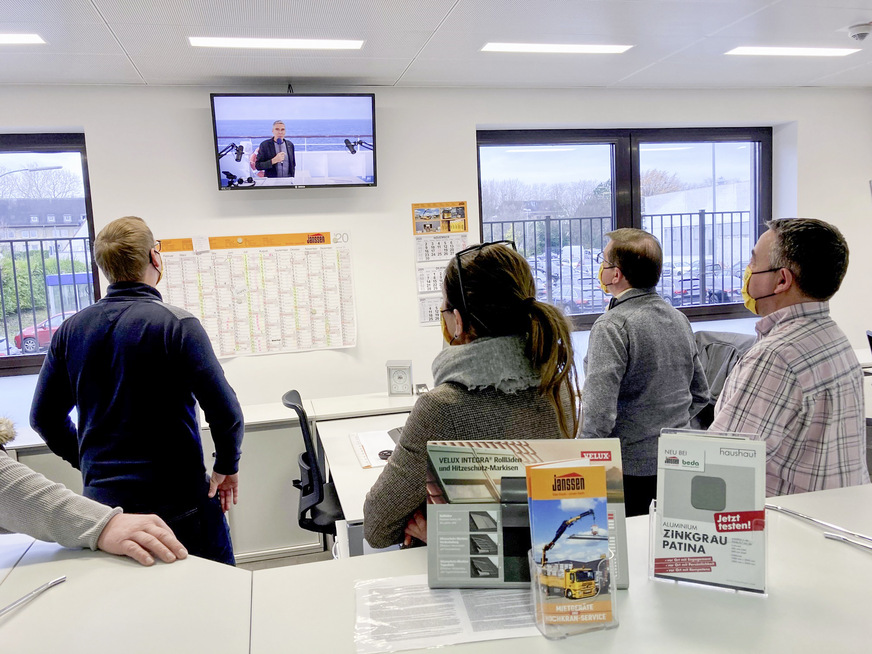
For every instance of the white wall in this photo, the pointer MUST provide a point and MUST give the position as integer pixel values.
(150, 154)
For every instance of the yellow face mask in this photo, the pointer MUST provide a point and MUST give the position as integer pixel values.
(599, 276)
(751, 302)
(449, 338)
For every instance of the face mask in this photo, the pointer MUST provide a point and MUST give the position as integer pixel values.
(751, 302)
(159, 271)
(449, 338)
(603, 287)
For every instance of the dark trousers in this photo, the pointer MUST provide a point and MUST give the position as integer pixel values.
(204, 531)
(638, 493)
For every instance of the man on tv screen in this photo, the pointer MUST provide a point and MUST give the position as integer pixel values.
(275, 156)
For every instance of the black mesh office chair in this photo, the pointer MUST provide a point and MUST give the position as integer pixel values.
(319, 505)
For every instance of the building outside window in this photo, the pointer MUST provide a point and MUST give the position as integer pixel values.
(704, 193)
(43, 278)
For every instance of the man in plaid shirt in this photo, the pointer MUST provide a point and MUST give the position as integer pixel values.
(800, 387)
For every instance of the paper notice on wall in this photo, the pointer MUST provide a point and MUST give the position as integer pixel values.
(265, 294)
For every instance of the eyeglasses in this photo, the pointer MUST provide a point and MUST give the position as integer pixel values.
(600, 258)
(156, 247)
(474, 248)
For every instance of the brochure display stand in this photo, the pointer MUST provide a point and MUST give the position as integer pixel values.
(570, 563)
(708, 523)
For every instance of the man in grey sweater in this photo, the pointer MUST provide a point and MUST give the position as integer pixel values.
(33, 505)
(642, 371)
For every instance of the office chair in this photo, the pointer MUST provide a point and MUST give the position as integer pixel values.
(319, 507)
(719, 352)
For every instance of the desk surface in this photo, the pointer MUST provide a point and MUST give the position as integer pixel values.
(351, 480)
(818, 597)
(357, 406)
(110, 604)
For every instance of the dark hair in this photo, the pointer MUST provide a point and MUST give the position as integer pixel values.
(814, 251)
(501, 301)
(637, 253)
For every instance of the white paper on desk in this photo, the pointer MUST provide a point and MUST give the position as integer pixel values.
(368, 444)
(401, 613)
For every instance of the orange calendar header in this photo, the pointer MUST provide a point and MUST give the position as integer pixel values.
(255, 241)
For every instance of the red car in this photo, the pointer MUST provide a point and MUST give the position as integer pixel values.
(28, 342)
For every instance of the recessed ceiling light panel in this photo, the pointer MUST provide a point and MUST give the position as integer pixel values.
(20, 39)
(277, 44)
(555, 48)
(791, 52)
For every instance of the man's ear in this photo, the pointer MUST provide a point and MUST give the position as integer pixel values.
(786, 281)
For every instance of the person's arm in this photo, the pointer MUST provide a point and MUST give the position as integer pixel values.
(220, 406)
(52, 403)
(292, 159)
(760, 397)
(265, 161)
(401, 489)
(31, 504)
(605, 367)
(699, 388)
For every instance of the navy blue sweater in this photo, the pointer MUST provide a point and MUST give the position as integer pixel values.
(135, 368)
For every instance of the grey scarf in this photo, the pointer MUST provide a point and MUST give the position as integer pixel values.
(487, 362)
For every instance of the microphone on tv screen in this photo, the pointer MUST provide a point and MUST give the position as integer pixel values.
(240, 150)
(350, 146)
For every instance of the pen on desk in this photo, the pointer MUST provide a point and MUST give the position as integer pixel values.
(32, 594)
(855, 543)
(821, 523)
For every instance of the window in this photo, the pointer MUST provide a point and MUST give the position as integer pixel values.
(43, 279)
(704, 193)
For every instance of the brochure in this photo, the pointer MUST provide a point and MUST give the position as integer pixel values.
(570, 560)
(468, 480)
(709, 526)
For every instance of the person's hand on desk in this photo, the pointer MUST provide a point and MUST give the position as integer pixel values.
(227, 486)
(416, 527)
(140, 537)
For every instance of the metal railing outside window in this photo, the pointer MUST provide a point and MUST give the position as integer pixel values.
(43, 281)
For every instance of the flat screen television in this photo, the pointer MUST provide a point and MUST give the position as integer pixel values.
(294, 140)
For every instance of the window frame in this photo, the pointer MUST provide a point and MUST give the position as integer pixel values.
(39, 143)
(626, 173)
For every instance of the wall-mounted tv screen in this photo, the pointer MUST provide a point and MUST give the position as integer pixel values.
(294, 140)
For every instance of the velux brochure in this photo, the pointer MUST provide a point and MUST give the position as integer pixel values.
(477, 516)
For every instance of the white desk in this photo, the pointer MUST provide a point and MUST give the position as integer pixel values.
(359, 406)
(12, 548)
(818, 597)
(352, 482)
(110, 604)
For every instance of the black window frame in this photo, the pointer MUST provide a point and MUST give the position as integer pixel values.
(38, 143)
(626, 173)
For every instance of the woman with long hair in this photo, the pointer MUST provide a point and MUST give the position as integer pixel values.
(508, 374)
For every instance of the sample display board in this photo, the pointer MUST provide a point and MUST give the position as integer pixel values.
(264, 294)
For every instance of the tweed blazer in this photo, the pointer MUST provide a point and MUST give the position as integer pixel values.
(448, 412)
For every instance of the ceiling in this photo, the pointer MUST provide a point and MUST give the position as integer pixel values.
(677, 44)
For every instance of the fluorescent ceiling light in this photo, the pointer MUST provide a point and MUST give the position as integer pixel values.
(278, 44)
(20, 39)
(792, 52)
(555, 48)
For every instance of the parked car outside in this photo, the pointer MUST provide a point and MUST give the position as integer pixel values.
(30, 340)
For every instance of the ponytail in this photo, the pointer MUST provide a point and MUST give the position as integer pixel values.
(549, 348)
